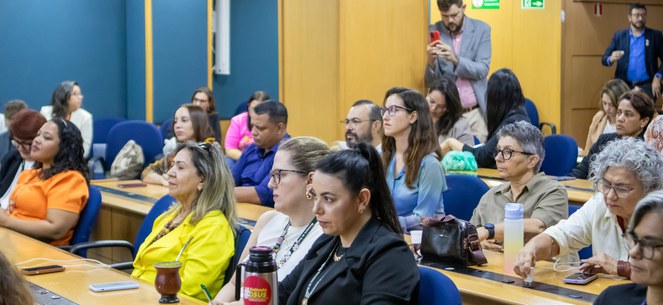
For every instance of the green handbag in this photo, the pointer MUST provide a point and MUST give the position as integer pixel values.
(459, 161)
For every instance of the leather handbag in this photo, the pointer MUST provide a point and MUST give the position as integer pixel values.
(448, 239)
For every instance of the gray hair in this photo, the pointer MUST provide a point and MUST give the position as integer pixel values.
(652, 203)
(633, 154)
(528, 137)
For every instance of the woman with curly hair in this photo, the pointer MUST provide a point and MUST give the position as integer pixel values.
(48, 198)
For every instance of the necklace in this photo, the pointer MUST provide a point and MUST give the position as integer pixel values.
(313, 283)
(294, 246)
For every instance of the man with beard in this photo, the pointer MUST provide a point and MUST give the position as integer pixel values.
(363, 124)
(638, 51)
(462, 53)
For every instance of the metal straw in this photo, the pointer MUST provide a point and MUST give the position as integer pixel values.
(181, 251)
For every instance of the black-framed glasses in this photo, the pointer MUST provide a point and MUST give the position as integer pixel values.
(199, 100)
(277, 173)
(27, 145)
(646, 247)
(392, 110)
(637, 15)
(354, 122)
(621, 191)
(507, 153)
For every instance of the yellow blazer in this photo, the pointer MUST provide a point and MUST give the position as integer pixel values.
(596, 128)
(203, 262)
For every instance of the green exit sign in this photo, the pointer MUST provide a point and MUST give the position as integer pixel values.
(485, 4)
(533, 4)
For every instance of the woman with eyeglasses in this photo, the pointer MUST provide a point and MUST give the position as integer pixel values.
(447, 112)
(505, 100)
(203, 97)
(624, 172)
(292, 227)
(189, 125)
(645, 240)
(48, 199)
(238, 136)
(519, 155)
(66, 103)
(411, 156)
(202, 218)
(23, 128)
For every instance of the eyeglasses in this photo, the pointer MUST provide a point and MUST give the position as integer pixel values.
(276, 174)
(646, 248)
(639, 15)
(392, 110)
(507, 153)
(25, 145)
(354, 122)
(207, 147)
(197, 100)
(621, 191)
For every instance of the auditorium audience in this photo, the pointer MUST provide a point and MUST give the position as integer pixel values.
(203, 217)
(238, 136)
(203, 97)
(519, 155)
(654, 134)
(66, 103)
(505, 102)
(411, 157)
(645, 242)
(13, 287)
(363, 124)
(624, 172)
(634, 113)
(48, 198)
(269, 121)
(23, 127)
(605, 120)
(291, 228)
(11, 108)
(447, 112)
(190, 124)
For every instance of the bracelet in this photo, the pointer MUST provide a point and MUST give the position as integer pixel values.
(624, 269)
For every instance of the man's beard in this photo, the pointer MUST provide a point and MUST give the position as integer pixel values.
(459, 26)
(368, 139)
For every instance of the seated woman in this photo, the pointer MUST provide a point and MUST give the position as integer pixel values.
(362, 258)
(203, 97)
(189, 125)
(447, 112)
(411, 156)
(292, 228)
(624, 172)
(519, 155)
(66, 104)
(14, 289)
(48, 198)
(605, 119)
(634, 113)
(238, 136)
(23, 128)
(203, 216)
(645, 240)
(505, 100)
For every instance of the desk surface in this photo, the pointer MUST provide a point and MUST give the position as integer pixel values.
(73, 283)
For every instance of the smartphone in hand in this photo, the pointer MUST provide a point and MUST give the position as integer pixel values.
(42, 270)
(580, 278)
(434, 36)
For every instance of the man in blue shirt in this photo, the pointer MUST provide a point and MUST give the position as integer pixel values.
(638, 51)
(251, 172)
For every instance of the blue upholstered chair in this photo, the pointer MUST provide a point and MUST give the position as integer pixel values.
(242, 235)
(87, 219)
(166, 128)
(462, 195)
(435, 288)
(561, 155)
(533, 114)
(586, 252)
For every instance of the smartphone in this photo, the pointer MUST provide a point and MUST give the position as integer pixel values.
(434, 36)
(113, 286)
(42, 270)
(127, 185)
(580, 278)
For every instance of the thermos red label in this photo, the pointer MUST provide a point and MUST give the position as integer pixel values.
(256, 291)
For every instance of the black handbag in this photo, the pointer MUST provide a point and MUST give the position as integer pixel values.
(448, 239)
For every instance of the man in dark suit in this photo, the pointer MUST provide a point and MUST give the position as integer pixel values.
(638, 51)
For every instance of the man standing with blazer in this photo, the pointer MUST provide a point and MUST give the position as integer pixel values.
(638, 51)
(462, 53)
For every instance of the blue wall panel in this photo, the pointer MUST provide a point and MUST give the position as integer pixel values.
(135, 24)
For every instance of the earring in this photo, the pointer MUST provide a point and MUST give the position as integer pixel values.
(309, 196)
(360, 211)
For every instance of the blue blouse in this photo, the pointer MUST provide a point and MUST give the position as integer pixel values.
(425, 199)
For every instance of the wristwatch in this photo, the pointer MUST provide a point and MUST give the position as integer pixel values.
(491, 230)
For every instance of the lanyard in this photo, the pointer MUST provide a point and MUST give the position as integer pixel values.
(294, 246)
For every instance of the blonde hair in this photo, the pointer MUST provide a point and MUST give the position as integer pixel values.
(13, 288)
(306, 151)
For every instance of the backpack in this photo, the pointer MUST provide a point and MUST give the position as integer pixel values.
(129, 162)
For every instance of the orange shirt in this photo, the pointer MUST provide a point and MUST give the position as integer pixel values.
(33, 197)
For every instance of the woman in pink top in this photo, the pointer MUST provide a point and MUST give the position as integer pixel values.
(238, 136)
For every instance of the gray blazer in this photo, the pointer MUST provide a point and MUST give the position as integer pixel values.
(473, 60)
(461, 132)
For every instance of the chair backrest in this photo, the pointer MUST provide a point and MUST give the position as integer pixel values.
(462, 195)
(533, 114)
(166, 128)
(561, 155)
(157, 209)
(101, 127)
(88, 218)
(435, 288)
(145, 134)
(585, 252)
(242, 235)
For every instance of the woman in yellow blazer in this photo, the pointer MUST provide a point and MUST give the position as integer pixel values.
(205, 213)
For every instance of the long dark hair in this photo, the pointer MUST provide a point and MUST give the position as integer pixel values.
(210, 97)
(60, 98)
(454, 111)
(70, 152)
(199, 122)
(358, 168)
(422, 139)
(503, 95)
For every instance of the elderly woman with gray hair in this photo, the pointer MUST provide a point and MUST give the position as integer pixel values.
(624, 173)
(518, 156)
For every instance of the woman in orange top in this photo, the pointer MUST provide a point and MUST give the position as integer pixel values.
(49, 197)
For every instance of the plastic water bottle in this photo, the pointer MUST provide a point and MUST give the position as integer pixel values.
(514, 232)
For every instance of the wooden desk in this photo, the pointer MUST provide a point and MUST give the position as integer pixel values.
(73, 283)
